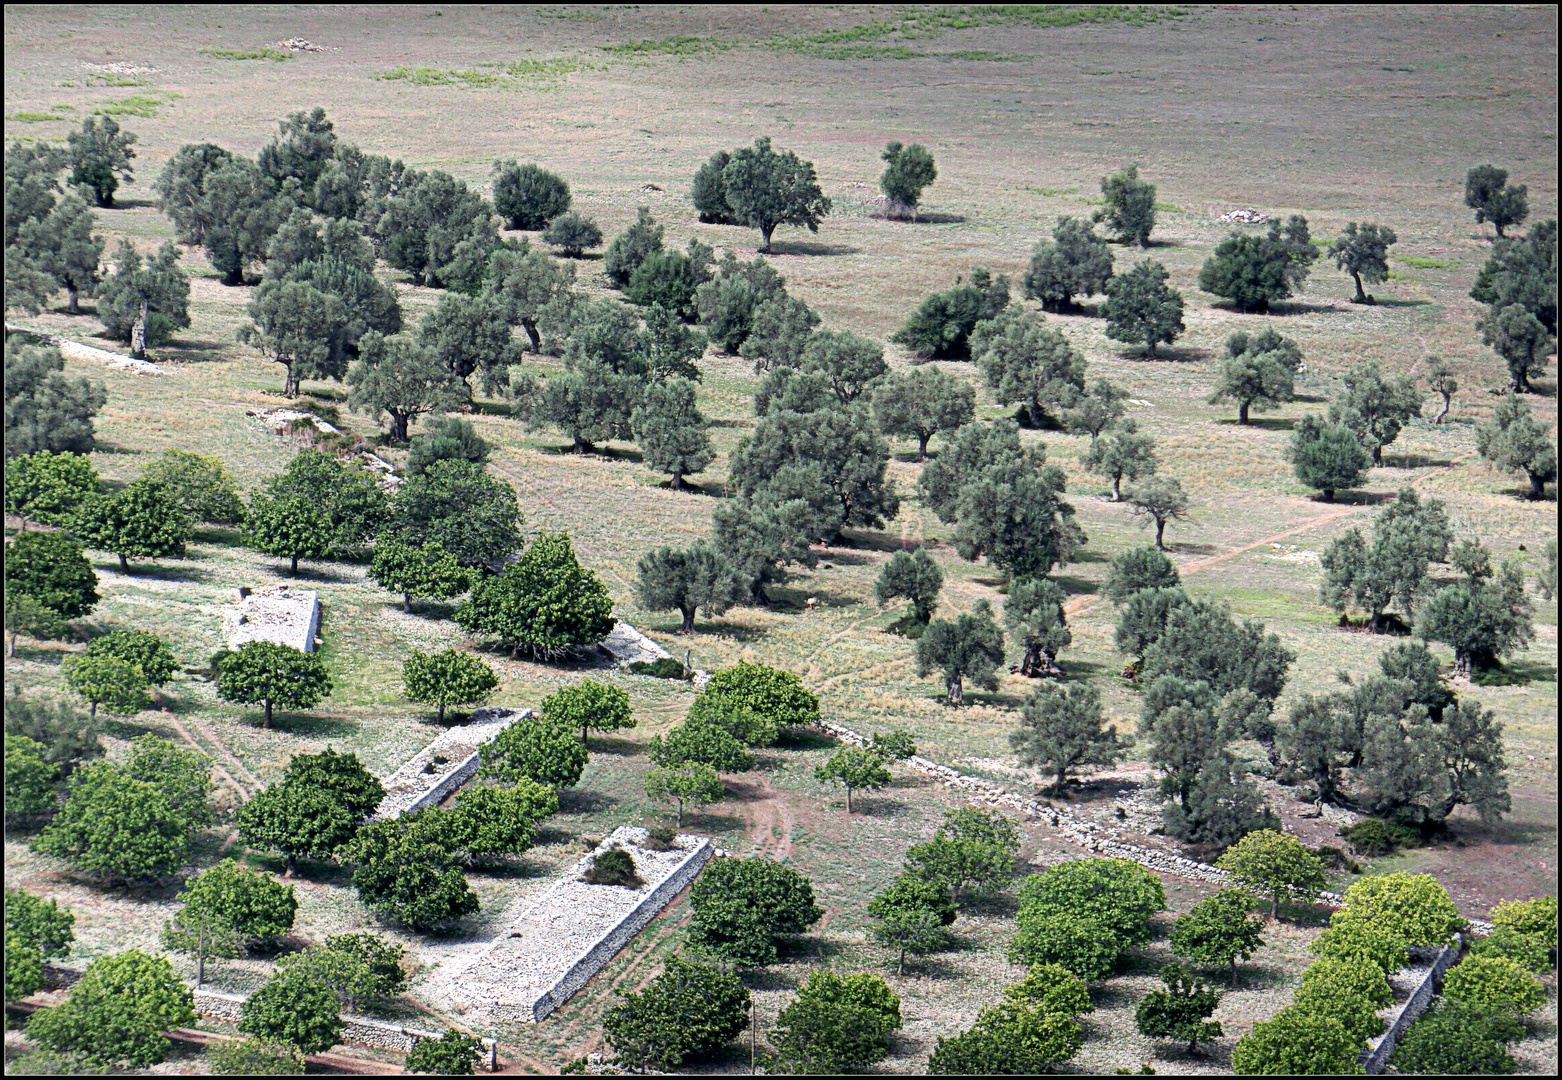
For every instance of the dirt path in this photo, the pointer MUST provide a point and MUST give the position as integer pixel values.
(766, 812)
(245, 794)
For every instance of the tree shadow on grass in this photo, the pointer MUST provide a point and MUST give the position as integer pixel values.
(1172, 354)
(575, 801)
(1273, 423)
(1001, 905)
(306, 574)
(801, 739)
(510, 870)
(608, 744)
(100, 446)
(1192, 549)
(298, 723)
(1074, 586)
(768, 979)
(1391, 303)
(810, 247)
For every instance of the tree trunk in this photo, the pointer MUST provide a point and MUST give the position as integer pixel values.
(12, 651)
(441, 712)
(290, 863)
(138, 334)
(200, 954)
(71, 296)
(1143, 242)
(1234, 973)
(530, 326)
(848, 800)
(688, 621)
(901, 966)
(766, 230)
(1447, 404)
(1160, 534)
(398, 432)
(1377, 456)
(1242, 412)
(1328, 494)
(680, 813)
(1361, 294)
(956, 688)
(92, 708)
(295, 565)
(124, 565)
(1117, 488)
(1499, 230)
(1274, 907)
(1537, 486)
(1373, 623)
(1029, 660)
(922, 445)
(267, 722)
(1149, 345)
(406, 603)
(677, 483)
(289, 384)
(582, 446)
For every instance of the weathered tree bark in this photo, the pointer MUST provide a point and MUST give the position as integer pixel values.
(688, 620)
(1537, 486)
(71, 296)
(1361, 296)
(1160, 533)
(295, 565)
(1448, 402)
(922, 445)
(1242, 412)
(138, 334)
(956, 687)
(677, 483)
(124, 565)
(530, 326)
(267, 722)
(1117, 488)
(406, 603)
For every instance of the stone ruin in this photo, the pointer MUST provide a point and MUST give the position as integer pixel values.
(1242, 217)
(275, 613)
(433, 774)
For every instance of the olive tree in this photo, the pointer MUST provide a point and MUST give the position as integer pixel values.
(1362, 252)
(969, 647)
(908, 170)
(1060, 730)
(1488, 193)
(1141, 308)
(1130, 206)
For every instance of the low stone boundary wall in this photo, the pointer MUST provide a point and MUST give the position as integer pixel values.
(1374, 1059)
(274, 613)
(424, 780)
(1088, 834)
(570, 932)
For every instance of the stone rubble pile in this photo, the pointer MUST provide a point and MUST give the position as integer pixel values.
(433, 773)
(298, 45)
(1242, 217)
(75, 350)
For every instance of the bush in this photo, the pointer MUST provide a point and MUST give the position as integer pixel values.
(294, 1008)
(1086, 947)
(1494, 982)
(664, 667)
(744, 908)
(1008, 1039)
(1356, 940)
(117, 1013)
(1454, 1039)
(615, 866)
(687, 1010)
(255, 1057)
(48, 487)
(1297, 1042)
(1415, 907)
(529, 196)
(572, 234)
(1119, 894)
(1375, 838)
(452, 1054)
(836, 1024)
(777, 697)
(1536, 916)
(545, 602)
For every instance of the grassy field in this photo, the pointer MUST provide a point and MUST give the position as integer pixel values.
(1339, 114)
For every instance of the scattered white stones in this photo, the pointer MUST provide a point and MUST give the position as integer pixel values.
(119, 67)
(1242, 217)
(281, 420)
(274, 613)
(75, 350)
(570, 932)
(1290, 553)
(300, 45)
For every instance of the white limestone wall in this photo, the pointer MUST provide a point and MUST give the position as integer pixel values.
(424, 780)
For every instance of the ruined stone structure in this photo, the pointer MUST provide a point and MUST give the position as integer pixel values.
(274, 613)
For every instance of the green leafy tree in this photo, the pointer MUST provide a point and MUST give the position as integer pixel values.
(150, 652)
(455, 503)
(1362, 252)
(1122, 896)
(538, 749)
(293, 323)
(853, 767)
(778, 696)
(1481, 618)
(972, 850)
(471, 335)
(1415, 907)
(691, 783)
(670, 280)
(1298, 1042)
(670, 430)
(452, 1054)
(727, 303)
(1255, 271)
(1130, 206)
(685, 581)
(290, 527)
(426, 223)
(1075, 261)
(118, 685)
(911, 915)
(305, 142)
(51, 568)
(1407, 535)
(572, 234)
(1095, 410)
(48, 487)
(835, 1024)
(1350, 991)
(915, 577)
(709, 191)
(23, 968)
(452, 438)
(1008, 1039)
(1495, 983)
(1050, 988)
(429, 570)
(1357, 941)
(1453, 1039)
(351, 499)
(100, 155)
(62, 247)
(1084, 946)
(255, 1057)
(239, 210)
(45, 409)
(201, 486)
(296, 1009)
(495, 822)
(780, 330)
(1179, 1012)
(1026, 361)
(204, 936)
(360, 969)
(1535, 917)
(908, 170)
(1158, 499)
(1138, 568)
(1327, 456)
(1519, 273)
(1258, 372)
(300, 820)
(688, 1010)
(25, 615)
(1060, 729)
(1513, 441)
(590, 706)
(117, 1012)
(1141, 308)
(1122, 451)
(1375, 408)
(268, 674)
(143, 520)
(922, 402)
(942, 324)
(631, 247)
(405, 873)
(1488, 193)
(545, 602)
(764, 189)
(1219, 931)
(744, 908)
(447, 678)
(1273, 864)
(1440, 377)
(29, 782)
(969, 647)
(695, 742)
(528, 196)
(399, 378)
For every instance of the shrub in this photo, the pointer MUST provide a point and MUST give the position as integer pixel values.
(1219, 930)
(48, 487)
(529, 196)
(1415, 907)
(744, 908)
(1359, 941)
(294, 1008)
(537, 749)
(1374, 837)
(1051, 988)
(777, 697)
(1454, 1039)
(836, 1024)
(1180, 1012)
(664, 667)
(1119, 894)
(1008, 1038)
(1494, 982)
(615, 866)
(1297, 1042)
(255, 1057)
(572, 234)
(687, 1010)
(1274, 864)
(117, 1013)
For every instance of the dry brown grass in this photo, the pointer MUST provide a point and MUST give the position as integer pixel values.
(1342, 114)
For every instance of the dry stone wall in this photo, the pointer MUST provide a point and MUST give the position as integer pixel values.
(1421, 978)
(274, 613)
(428, 778)
(570, 932)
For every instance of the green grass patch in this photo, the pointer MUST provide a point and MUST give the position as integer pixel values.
(683, 45)
(1421, 262)
(981, 54)
(1168, 208)
(278, 55)
(115, 80)
(143, 105)
(487, 76)
(1054, 192)
(26, 117)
